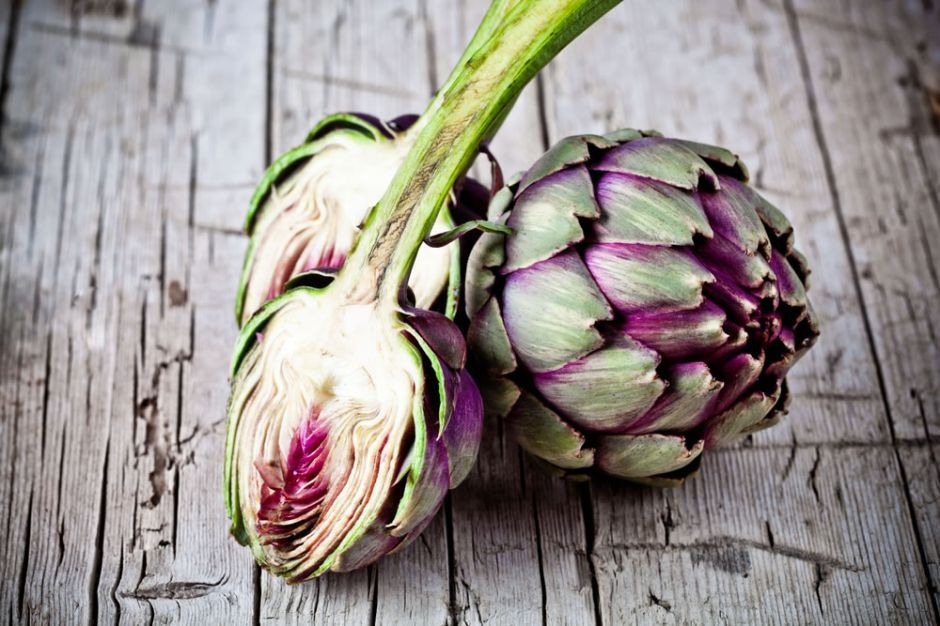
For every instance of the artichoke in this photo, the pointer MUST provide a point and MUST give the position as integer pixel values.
(307, 210)
(647, 306)
(348, 424)
(351, 412)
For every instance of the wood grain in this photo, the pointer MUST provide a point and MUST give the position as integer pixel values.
(865, 70)
(132, 135)
(125, 154)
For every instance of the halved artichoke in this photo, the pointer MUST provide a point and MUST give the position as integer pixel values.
(347, 426)
(307, 210)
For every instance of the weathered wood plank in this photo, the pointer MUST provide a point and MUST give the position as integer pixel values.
(210, 64)
(19, 391)
(118, 140)
(872, 74)
(67, 335)
(765, 535)
(921, 465)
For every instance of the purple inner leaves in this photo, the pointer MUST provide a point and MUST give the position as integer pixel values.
(293, 491)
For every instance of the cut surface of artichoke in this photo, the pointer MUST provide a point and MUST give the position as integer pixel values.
(311, 217)
(347, 380)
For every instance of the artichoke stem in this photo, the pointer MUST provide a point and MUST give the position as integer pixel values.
(502, 58)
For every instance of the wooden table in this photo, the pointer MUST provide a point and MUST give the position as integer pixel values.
(133, 134)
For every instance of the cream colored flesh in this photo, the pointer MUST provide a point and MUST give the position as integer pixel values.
(316, 213)
(358, 370)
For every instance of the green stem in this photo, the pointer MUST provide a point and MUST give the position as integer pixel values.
(473, 103)
(493, 17)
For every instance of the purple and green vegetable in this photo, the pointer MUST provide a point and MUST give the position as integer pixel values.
(647, 305)
(630, 302)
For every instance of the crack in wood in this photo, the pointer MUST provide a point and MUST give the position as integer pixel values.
(61, 466)
(269, 84)
(153, 444)
(587, 513)
(24, 566)
(540, 558)
(724, 542)
(95, 578)
(790, 460)
(452, 608)
(161, 274)
(176, 590)
(668, 523)
(812, 476)
(424, 543)
(256, 594)
(176, 507)
(114, 588)
(143, 330)
(45, 392)
(821, 574)
(373, 573)
(9, 46)
(657, 601)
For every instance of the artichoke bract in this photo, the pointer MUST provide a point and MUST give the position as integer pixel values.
(347, 427)
(647, 306)
(307, 211)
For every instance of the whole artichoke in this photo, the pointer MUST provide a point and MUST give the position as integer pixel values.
(307, 210)
(648, 305)
(347, 424)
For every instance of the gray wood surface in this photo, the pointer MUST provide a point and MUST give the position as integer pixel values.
(131, 136)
